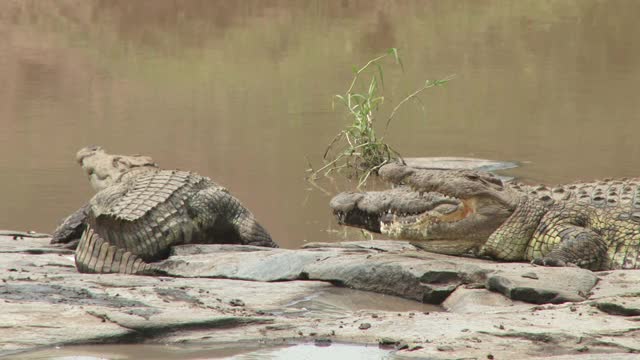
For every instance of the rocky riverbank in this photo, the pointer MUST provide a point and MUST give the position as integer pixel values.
(233, 294)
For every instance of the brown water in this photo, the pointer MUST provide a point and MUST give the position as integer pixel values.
(226, 351)
(241, 91)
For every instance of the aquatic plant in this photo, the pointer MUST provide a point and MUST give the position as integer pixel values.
(357, 149)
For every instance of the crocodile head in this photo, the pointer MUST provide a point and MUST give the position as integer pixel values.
(444, 211)
(105, 169)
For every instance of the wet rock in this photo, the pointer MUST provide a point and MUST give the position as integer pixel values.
(358, 265)
(30, 325)
(445, 348)
(459, 163)
(423, 279)
(619, 283)
(453, 163)
(61, 294)
(199, 249)
(323, 342)
(548, 286)
(45, 302)
(620, 306)
(236, 302)
(15, 235)
(388, 342)
(175, 295)
(273, 265)
(377, 245)
(588, 357)
(479, 301)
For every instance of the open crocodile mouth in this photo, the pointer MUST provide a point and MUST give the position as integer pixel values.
(418, 211)
(427, 225)
(447, 228)
(447, 210)
(359, 218)
(403, 218)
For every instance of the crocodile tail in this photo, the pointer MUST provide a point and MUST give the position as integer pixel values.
(71, 227)
(252, 233)
(95, 255)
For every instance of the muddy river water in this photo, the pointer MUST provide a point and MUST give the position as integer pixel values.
(241, 91)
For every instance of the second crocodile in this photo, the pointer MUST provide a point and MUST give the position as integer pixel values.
(140, 211)
(593, 225)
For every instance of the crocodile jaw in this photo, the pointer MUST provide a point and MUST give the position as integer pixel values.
(426, 230)
(461, 231)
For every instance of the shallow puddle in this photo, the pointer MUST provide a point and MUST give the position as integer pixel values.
(338, 301)
(224, 351)
(312, 352)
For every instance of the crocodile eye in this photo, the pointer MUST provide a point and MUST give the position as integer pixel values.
(445, 208)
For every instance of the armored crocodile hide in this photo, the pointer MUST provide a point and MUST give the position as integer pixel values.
(594, 225)
(139, 219)
(610, 208)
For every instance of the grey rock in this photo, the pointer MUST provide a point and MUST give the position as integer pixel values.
(450, 163)
(548, 286)
(198, 249)
(620, 306)
(617, 284)
(45, 302)
(379, 245)
(277, 265)
(413, 278)
(480, 301)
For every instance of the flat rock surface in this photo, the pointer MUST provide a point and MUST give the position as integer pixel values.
(451, 163)
(458, 163)
(543, 285)
(266, 297)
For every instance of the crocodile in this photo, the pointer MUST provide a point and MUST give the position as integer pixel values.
(593, 225)
(140, 211)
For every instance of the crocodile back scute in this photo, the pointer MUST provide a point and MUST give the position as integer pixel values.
(147, 213)
(609, 208)
(148, 191)
(618, 193)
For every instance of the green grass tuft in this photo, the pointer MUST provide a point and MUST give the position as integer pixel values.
(357, 150)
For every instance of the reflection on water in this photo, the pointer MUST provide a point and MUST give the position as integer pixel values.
(241, 91)
(339, 301)
(225, 351)
(137, 351)
(313, 352)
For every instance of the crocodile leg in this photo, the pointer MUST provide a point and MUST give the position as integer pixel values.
(71, 228)
(227, 220)
(568, 245)
(511, 239)
(95, 255)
